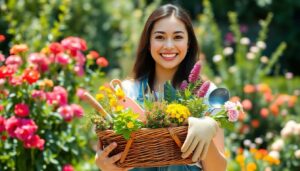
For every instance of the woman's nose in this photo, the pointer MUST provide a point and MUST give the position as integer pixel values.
(169, 43)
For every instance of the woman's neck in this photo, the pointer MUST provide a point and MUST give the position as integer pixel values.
(161, 77)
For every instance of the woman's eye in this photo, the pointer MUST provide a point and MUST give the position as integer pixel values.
(178, 37)
(159, 37)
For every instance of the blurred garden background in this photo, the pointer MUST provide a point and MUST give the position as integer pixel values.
(51, 51)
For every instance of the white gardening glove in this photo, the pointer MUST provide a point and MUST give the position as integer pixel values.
(200, 133)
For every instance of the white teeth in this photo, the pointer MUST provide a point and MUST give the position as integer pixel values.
(169, 55)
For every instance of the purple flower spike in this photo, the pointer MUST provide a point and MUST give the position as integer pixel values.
(195, 72)
(183, 85)
(203, 89)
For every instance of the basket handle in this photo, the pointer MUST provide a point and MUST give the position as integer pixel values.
(175, 137)
(127, 147)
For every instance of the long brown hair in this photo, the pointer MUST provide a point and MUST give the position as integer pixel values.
(145, 64)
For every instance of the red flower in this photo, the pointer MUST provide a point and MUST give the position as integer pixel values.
(34, 142)
(26, 129)
(21, 110)
(68, 167)
(56, 48)
(30, 75)
(2, 124)
(11, 125)
(66, 112)
(2, 37)
(73, 44)
(6, 71)
(18, 49)
(102, 62)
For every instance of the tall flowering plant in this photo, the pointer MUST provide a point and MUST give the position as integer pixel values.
(37, 105)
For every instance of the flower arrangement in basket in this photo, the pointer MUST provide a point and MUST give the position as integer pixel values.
(153, 135)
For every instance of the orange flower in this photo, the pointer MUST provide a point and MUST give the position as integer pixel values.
(292, 101)
(18, 49)
(102, 62)
(255, 123)
(249, 89)
(31, 75)
(274, 109)
(251, 166)
(235, 99)
(93, 55)
(247, 104)
(264, 88)
(264, 112)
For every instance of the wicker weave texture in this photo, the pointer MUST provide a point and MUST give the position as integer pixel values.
(149, 148)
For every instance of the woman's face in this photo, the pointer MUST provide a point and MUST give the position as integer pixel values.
(168, 43)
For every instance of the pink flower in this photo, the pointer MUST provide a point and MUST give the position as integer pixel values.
(38, 94)
(34, 142)
(58, 96)
(66, 112)
(73, 44)
(80, 58)
(11, 125)
(62, 59)
(21, 110)
(15, 80)
(203, 89)
(2, 58)
(77, 110)
(26, 129)
(40, 61)
(14, 60)
(232, 115)
(2, 124)
(247, 104)
(230, 105)
(79, 70)
(68, 167)
(183, 85)
(80, 92)
(195, 72)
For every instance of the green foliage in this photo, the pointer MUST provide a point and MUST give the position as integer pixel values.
(126, 123)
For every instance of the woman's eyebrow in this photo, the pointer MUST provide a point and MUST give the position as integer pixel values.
(162, 32)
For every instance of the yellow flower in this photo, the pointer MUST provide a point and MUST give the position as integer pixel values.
(251, 166)
(113, 102)
(130, 125)
(240, 159)
(120, 93)
(119, 108)
(177, 111)
(271, 160)
(102, 88)
(99, 96)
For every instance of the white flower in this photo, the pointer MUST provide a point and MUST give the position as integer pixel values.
(297, 154)
(247, 142)
(254, 49)
(217, 58)
(288, 75)
(277, 145)
(269, 135)
(252, 145)
(261, 44)
(297, 129)
(258, 140)
(274, 154)
(250, 56)
(264, 59)
(232, 69)
(228, 51)
(245, 41)
(286, 132)
(297, 92)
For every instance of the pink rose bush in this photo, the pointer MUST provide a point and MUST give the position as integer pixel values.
(38, 105)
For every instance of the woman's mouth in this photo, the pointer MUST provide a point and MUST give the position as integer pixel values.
(168, 56)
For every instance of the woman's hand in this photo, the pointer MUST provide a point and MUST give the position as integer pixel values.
(200, 133)
(108, 164)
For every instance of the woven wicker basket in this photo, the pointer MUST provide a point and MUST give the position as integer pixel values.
(148, 147)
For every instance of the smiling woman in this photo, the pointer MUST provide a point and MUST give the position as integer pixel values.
(167, 51)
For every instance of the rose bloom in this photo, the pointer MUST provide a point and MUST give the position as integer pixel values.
(77, 110)
(102, 62)
(18, 49)
(2, 124)
(11, 125)
(247, 104)
(56, 48)
(66, 112)
(21, 110)
(34, 142)
(68, 167)
(232, 115)
(26, 129)
(249, 89)
(30, 75)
